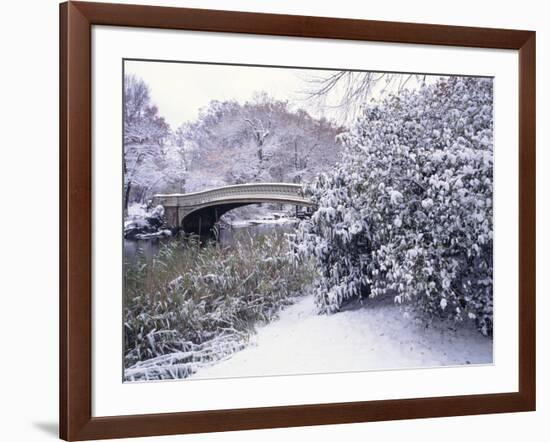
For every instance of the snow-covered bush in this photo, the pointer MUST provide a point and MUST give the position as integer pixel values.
(409, 210)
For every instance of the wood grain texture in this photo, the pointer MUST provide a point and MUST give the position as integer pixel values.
(76, 20)
(299, 26)
(527, 220)
(76, 211)
(63, 201)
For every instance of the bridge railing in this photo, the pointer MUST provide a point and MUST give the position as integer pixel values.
(238, 191)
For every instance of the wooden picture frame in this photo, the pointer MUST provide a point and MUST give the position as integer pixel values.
(76, 21)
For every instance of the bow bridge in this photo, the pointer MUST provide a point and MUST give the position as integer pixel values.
(198, 212)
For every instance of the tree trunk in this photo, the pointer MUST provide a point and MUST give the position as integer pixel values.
(127, 196)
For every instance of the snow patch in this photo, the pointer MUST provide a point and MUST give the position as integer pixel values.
(377, 336)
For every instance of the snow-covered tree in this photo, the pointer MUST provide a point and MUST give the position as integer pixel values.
(145, 135)
(344, 92)
(261, 140)
(409, 210)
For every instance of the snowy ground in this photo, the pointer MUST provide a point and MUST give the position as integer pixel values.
(372, 337)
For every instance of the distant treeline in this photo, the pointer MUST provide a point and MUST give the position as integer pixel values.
(262, 140)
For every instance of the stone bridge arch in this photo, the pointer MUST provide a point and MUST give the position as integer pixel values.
(198, 212)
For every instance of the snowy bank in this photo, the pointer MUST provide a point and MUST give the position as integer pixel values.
(143, 224)
(376, 336)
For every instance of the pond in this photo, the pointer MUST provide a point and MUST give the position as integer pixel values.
(227, 235)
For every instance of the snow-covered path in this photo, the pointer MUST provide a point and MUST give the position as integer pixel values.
(374, 336)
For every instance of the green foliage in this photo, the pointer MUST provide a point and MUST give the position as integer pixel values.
(195, 303)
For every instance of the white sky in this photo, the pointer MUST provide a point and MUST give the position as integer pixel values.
(180, 89)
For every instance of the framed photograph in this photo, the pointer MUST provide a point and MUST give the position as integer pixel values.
(274, 220)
